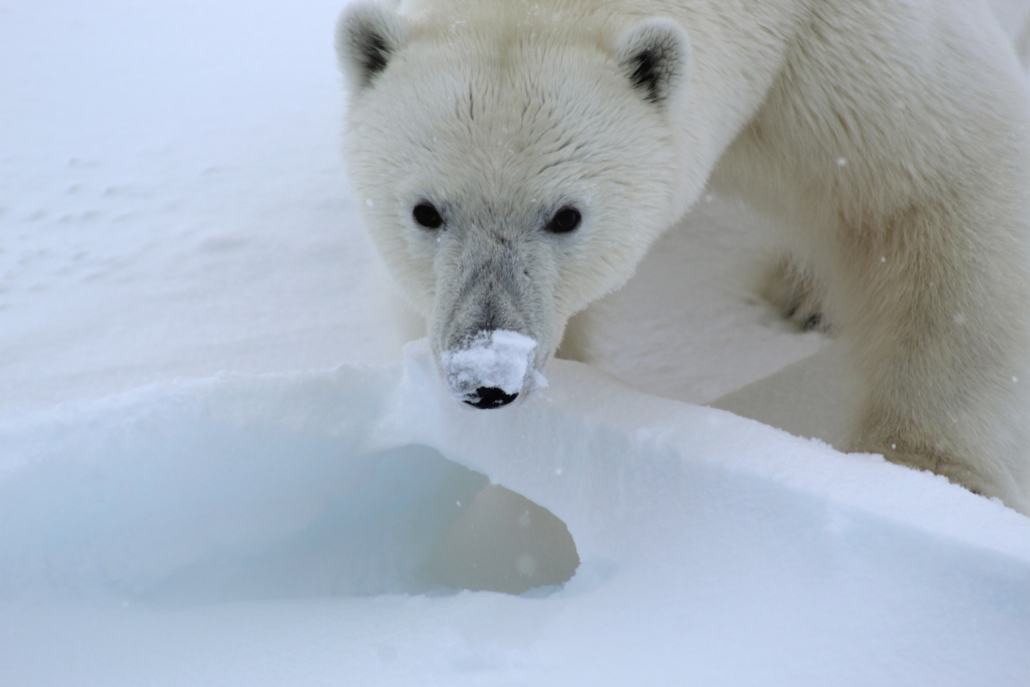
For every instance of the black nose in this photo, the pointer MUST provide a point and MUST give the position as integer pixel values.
(490, 397)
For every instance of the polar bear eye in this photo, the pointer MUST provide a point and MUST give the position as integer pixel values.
(564, 221)
(427, 215)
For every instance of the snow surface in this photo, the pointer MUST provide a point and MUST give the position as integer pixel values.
(497, 359)
(176, 236)
(256, 530)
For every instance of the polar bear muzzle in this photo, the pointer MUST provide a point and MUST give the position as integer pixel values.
(491, 370)
(486, 348)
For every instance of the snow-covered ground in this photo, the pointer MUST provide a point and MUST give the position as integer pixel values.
(244, 484)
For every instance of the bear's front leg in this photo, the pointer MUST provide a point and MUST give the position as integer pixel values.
(934, 312)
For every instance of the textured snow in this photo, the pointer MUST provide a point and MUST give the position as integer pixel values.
(216, 468)
(500, 359)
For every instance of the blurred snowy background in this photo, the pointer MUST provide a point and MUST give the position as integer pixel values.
(215, 501)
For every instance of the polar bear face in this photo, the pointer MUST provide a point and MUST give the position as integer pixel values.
(510, 171)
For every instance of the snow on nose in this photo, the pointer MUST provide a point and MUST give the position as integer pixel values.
(492, 370)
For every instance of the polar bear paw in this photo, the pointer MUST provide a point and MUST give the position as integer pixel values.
(956, 471)
(793, 291)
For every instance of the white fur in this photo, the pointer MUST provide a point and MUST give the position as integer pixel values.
(890, 137)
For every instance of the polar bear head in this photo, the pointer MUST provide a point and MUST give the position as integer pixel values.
(511, 168)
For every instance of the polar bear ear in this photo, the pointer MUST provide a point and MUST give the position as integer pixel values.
(367, 37)
(655, 55)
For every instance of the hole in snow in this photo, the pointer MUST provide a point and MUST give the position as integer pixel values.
(506, 543)
(193, 511)
(405, 521)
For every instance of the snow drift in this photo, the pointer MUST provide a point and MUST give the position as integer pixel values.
(710, 546)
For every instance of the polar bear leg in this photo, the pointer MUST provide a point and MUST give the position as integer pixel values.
(933, 310)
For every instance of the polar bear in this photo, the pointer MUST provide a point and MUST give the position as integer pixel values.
(514, 160)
